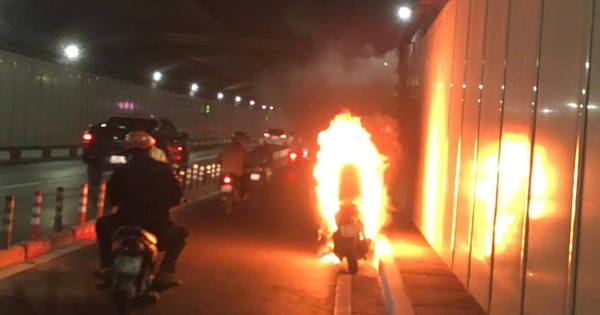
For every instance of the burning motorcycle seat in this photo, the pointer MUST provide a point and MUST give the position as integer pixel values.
(134, 231)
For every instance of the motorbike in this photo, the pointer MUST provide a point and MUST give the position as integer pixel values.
(135, 269)
(349, 240)
(258, 177)
(298, 155)
(231, 194)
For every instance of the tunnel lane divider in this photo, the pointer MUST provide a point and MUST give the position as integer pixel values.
(395, 298)
(82, 177)
(343, 295)
(49, 153)
(28, 254)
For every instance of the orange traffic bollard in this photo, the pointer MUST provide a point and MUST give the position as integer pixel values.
(7, 222)
(36, 215)
(83, 204)
(58, 214)
(101, 199)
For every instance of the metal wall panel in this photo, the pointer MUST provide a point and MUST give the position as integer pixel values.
(505, 298)
(42, 103)
(435, 126)
(587, 286)
(446, 36)
(515, 149)
(563, 55)
(479, 270)
(462, 215)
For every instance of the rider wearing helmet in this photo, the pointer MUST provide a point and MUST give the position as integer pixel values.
(234, 158)
(157, 153)
(144, 190)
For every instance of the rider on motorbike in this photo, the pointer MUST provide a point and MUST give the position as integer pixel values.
(234, 160)
(144, 190)
(158, 154)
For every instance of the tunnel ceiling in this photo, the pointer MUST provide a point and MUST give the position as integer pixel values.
(220, 44)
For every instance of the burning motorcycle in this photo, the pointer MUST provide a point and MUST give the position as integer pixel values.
(349, 241)
(135, 270)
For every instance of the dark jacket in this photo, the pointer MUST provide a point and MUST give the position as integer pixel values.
(261, 156)
(233, 159)
(144, 190)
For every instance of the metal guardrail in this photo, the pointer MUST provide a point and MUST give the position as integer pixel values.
(16, 154)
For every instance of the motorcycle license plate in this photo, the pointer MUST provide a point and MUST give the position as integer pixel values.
(226, 188)
(255, 176)
(130, 265)
(348, 230)
(118, 159)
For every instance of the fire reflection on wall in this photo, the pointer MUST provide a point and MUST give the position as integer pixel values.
(515, 161)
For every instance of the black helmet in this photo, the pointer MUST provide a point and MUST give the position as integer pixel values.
(239, 136)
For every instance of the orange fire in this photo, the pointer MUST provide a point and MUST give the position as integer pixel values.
(347, 144)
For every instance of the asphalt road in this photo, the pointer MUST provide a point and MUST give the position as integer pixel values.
(259, 260)
(22, 180)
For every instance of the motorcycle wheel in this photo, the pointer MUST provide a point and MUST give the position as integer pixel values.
(124, 303)
(352, 264)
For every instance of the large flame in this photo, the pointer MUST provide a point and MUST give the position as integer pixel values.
(346, 143)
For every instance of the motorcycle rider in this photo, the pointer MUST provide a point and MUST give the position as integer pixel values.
(157, 153)
(234, 160)
(144, 190)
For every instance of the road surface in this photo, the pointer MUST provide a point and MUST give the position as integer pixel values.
(260, 260)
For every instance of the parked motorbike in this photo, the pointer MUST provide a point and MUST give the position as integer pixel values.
(231, 194)
(349, 240)
(135, 269)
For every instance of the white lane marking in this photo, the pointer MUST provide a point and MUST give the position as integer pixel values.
(210, 157)
(343, 295)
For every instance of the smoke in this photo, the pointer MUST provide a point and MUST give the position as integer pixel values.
(385, 134)
(339, 75)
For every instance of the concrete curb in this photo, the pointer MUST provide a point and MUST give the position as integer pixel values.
(395, 299)
(12, 256)
(37, 248)
(62, 239)
(343, 295)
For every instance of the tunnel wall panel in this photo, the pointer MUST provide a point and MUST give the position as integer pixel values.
(45, 104)
(563, 56)
(514, 173)
(587, 248)
(506, 298)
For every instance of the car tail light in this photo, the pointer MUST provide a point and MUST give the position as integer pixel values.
(227, 179)
(87, 138)
(266, 134)
(293, 156)
(176, 148)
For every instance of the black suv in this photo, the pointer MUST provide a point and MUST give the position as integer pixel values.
(103, 148)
